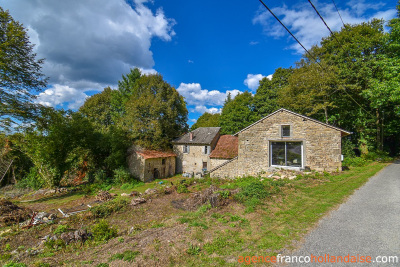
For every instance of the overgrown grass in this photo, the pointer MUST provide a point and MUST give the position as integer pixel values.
(288, 209)
(108, 208)
(127, 255)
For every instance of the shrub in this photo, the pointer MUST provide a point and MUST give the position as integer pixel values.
(122, 175)
(103, 232)
(131, 185)
(182, 188)
(253, 190)
(355, 162)
(108, 208)
(32, 180)
(14, 264)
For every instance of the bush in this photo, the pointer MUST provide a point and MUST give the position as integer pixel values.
(253, 190)
(182, 188)
(355, 162)
(108, 208)
(103, 232)
(122, 175)
(32, 180)
(381, 156)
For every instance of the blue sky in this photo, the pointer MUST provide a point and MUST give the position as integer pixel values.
(204, 49)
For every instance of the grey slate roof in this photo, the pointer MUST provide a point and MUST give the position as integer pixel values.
(201, 136)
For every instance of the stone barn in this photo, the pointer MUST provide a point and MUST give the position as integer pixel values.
(148, 165)
(285, 139)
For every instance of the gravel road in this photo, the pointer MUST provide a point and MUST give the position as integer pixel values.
(368, 224)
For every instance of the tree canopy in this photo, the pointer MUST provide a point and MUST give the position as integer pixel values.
(20, 75)
(207, 120)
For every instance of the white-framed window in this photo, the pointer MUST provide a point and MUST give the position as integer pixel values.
(287, 154)
(285, 131)
(207, 150)
(186, 149)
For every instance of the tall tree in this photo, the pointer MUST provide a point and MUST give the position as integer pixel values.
(238, 113)
(98, 109)
(20, 75)
(266, 97)
(207, 120)
(155, 113)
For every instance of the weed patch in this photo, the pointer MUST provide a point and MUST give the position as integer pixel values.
(127, 255)
(108, 208)
(103, 232)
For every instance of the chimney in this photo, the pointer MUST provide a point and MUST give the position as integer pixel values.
(190, 136)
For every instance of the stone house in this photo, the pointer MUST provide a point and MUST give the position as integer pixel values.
(225, 150)
(148, 165)
(285, 139)
(193, 150)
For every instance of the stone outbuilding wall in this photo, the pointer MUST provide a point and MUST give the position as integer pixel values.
(321, 145)
(147, 166)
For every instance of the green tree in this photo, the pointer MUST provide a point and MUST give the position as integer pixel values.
(58, 142)
(98, 109)
(309, 90)
(207, 120)
(238, 114)
(20, 75)
(155, 113)
(126, 88)
(266, 97)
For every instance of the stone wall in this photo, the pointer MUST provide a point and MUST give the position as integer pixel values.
(321, 145)
(145, 169)
(155, 167)
(217, 162)
(193, 161)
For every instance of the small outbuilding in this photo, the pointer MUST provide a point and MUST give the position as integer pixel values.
(149, 165)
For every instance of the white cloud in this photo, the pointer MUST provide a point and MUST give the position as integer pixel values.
(305, 24)
(88, 45)
(253, 81)
(203, 109)
(196, 96)
(269, 77)
(59, 94)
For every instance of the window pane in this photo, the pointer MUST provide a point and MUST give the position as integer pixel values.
(293, 154)
(285, 130)
(278, 153)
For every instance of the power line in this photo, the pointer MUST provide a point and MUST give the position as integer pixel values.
(333, 1)
(323, 21)
(272, 13)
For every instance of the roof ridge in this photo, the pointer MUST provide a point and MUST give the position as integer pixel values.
(297, 114)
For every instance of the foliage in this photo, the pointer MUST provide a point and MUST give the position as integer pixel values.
(108, 208)
(207, 120)
(122, 175)
(266, 97)
(103, 232)
(347, 148)
(182, 188)
(155, 113)
(355, 162)
(131, 185)
(20, 74)
(97, 108)
(32, 180)
(238, 113)
(59, 142)
(63, 228)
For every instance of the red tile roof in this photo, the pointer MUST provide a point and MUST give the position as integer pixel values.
(152, 154)
(227, 147)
